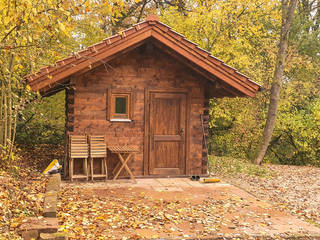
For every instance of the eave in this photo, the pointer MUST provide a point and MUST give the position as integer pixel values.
(49, 77)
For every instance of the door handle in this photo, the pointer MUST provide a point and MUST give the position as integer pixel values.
(181, 132)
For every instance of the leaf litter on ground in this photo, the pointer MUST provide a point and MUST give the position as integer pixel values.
(21, 196)
(294, 189)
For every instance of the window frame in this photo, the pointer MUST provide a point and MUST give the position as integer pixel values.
(116, 117)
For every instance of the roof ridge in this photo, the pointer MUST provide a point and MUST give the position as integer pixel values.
(152, 21)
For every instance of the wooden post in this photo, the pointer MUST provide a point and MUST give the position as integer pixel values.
(69, 112)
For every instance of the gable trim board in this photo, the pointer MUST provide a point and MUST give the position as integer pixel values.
(237, 84)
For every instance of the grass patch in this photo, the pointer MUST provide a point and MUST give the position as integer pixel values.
(225, 166)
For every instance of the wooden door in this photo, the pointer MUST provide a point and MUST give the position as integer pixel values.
(167, 127)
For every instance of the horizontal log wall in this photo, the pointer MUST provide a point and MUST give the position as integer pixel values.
(135, 71)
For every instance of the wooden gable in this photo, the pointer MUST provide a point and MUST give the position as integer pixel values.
(227, 81)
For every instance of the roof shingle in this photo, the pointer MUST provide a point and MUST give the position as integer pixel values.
(47, 77)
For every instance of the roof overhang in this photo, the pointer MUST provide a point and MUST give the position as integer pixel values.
(50, 77)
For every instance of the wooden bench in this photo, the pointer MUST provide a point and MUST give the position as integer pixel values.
(98, 149)
(125, 153)
(78, 149)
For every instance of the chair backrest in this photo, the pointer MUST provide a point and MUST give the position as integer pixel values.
(98, 146)
(78, 146)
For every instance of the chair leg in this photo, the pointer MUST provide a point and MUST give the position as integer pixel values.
(85, 168)
(71, 169)
(91, 163)
(105, 167)
(88, 168)
(102, 166)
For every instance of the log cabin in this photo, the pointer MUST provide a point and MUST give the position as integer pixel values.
(147, 87)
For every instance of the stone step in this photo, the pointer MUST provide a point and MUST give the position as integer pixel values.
(54, 182)
(32, 227)
(50, 204)
(53, 236)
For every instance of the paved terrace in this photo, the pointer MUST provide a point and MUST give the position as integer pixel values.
(173, 208)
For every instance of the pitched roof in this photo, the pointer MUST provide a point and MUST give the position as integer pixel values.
(49, 77)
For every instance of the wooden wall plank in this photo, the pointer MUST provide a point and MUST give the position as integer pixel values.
(138, 71)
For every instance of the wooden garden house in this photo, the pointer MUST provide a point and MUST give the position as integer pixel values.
(148, 88)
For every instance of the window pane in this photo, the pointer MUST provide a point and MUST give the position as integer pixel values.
(121, 105)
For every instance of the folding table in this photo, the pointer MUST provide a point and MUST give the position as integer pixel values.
(125, 153)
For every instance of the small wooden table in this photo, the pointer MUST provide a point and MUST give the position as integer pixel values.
(121, 151)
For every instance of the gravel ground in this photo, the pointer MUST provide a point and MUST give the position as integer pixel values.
(294, 189)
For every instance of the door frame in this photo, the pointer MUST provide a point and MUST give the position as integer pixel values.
(146, 153)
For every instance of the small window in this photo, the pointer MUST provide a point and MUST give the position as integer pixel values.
(120, 106)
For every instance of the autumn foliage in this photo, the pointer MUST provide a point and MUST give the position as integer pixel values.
(244, 34)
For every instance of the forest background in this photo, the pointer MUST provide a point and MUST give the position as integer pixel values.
(242, 33)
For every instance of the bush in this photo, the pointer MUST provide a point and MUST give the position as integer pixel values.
(43, 121)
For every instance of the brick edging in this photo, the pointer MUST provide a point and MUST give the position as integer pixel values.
(45, 228)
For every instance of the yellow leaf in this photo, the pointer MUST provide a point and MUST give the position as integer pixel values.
(14, 224)
(6, 20)
(34, 11)
(62, 27)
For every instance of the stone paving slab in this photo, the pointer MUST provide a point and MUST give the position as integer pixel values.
(149, 182)
(169, 189)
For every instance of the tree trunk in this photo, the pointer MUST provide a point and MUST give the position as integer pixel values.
(288, 8)
(2, 113)
(317, 18)
(10, 103)
(13, 133)
(5, 116)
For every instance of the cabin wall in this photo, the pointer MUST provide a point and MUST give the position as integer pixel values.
(69, 101)
(137, 71)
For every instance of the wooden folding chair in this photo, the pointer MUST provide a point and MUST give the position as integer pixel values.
(98, 149)
(78, 149)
